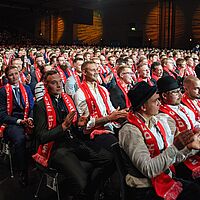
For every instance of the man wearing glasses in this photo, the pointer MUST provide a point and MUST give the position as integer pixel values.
(181, 120)
(118, 93)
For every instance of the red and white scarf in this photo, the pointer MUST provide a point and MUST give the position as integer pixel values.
(38, 74)
(148, 81)
(189, 103)
(124, 90)
(93, 107)
(77, 79)
(9, 97)
(69, 72)
(113, 69)
(173, 74)
(164, 185)
(104, 70)
(190, 71)
(182, 72)
(155, 77)
(193, 163)
(43, 154)
(62, 74)
(22, 77)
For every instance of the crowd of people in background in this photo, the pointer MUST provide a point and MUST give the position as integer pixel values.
(77, 101)
(8, 36)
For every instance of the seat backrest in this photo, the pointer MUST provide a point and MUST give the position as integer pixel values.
(116, 149)
(120, 169)
(4, 147)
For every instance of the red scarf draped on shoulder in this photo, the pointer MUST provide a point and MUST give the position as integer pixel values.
(43, 154)
(22, 77)
(113, 69)
(77, 79)
(124, 91)
(69, 72)
(164, 185)
(155, 77)
(193, 162)
(9, 97)
(189, 103)
(148, 81)
(93, 107)
(62, 74)
(190, 71)
(38, 74)
(169, 72)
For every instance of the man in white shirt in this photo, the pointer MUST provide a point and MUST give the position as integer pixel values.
(93, 101)
(74, 81)
(191, 97)
(144, 139)
(180, 119)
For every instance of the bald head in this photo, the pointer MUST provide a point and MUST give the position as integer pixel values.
(190, 80)
(192, 87)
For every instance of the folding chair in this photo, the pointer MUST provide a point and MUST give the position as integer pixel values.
(51, 180)
(6, 150)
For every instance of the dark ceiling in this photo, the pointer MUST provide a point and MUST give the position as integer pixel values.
(65, 4)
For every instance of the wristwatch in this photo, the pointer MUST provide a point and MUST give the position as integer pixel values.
(68, 131)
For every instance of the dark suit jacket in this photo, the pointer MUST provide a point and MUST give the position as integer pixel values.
(18, 112)
(117, 97)
(43, 135)
(4, 80)
(33, 81)
(178, 78)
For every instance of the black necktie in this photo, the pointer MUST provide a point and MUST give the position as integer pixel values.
(17, 94)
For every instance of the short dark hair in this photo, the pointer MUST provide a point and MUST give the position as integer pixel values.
(121, 68)
(154, 65)
(9, 68)
(86, 63)
(77, 59)
(49, 73)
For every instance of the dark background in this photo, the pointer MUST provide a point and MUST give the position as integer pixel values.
(118, 18)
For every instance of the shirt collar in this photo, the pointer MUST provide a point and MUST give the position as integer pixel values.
(152, 122)
(15, 86)
(93, 84)
(175, 107)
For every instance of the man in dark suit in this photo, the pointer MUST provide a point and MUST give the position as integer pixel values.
(118, 93)
(55, 127)
(36, 73)
(16, 115)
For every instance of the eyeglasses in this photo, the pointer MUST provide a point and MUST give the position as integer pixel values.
(174, 92)
(129, 73)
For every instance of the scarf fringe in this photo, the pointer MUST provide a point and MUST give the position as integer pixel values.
(2, 129)
(196, 173)
(174, 191)
(99, 132)
(40, 159)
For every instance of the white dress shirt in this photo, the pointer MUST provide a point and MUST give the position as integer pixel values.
(81, 104)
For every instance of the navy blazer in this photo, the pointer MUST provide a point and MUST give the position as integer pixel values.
(18, 112)
(33, 81)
